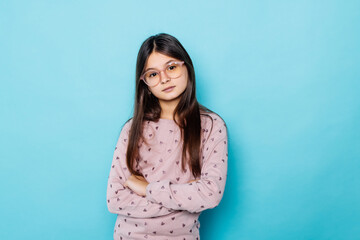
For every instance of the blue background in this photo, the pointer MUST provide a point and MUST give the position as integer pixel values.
(284, 75)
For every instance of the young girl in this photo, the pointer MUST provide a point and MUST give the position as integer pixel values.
(170, 161)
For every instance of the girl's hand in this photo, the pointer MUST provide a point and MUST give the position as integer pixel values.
(193, 180)
(138, 184)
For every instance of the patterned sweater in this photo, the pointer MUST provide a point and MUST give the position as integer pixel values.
(172, 205)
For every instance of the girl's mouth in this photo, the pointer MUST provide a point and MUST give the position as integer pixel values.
(169, 89)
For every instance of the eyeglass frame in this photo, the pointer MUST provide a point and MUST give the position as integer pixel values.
(159, 72)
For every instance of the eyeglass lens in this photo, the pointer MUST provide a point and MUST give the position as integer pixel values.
(173, 70)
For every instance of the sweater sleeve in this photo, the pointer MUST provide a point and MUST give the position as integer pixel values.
(204, 193)
(122, 200)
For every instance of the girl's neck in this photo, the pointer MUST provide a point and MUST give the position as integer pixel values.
(167, 109)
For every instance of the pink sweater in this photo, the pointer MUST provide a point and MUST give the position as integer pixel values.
(172, 206)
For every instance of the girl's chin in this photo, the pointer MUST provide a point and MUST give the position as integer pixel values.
(170, 98)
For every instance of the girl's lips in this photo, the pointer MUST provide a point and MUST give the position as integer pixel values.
(168, 89)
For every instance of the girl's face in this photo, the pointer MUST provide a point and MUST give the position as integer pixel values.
(168, 89)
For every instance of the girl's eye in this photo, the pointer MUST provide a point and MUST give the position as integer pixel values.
(153, 74)
(172, 67)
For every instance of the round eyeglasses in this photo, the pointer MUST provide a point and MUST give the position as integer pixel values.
(172, 70)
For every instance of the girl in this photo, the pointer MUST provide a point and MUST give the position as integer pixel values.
(170, 161)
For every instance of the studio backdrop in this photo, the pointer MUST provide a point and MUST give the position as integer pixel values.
(284, 75)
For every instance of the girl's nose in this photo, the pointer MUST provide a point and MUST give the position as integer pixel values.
(164, 77)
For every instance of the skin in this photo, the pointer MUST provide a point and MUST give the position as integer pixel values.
(138, 184)
(168, 101)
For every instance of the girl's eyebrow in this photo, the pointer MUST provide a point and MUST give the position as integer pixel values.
(172, 60)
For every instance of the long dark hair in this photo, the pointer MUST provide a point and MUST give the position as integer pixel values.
(147, 106)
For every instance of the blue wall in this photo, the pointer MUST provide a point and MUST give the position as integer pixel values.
(284, 75)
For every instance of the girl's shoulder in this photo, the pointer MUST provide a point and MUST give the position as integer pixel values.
(149, 127)
(211, 119)
(127, 125)
(213, 126)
